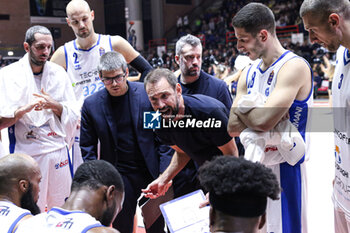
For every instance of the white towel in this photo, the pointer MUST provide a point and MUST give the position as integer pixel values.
(284, 136)
(292, 146)
(17, 86)
(255, 143)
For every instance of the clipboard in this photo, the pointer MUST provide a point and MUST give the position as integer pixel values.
(150, 210)
(183, 215)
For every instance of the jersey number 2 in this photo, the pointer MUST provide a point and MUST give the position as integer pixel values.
(75, 55)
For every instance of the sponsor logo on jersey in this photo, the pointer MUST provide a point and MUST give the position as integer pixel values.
(102, 51)
(269, 80)
(81, 82)
(267, 91)
(341, 170)
(338, 161)
(89, 74)
(346, 57)
(297, 116)
(52, 133)
(342, 136)
(77, 67)
(61, 164)
(66, 224)
(4, 210)
(337, 154)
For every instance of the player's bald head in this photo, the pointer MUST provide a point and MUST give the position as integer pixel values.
(77, 5)
(15, 167)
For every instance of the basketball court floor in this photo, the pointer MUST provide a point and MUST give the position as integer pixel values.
(320, 171)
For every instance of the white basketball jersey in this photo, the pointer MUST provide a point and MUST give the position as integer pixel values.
(10, 215)
(287, 214)
(341, 111)
(265, 81)
(59, 221)
(81, 66)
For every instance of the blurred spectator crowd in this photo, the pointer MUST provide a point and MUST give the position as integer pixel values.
(219, 57)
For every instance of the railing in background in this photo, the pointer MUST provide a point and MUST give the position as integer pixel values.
(157, 42)
(202, 38)
(287, 31)
(230, 37)
(282, 32)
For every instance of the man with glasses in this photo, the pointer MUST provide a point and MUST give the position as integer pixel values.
(114, 117)
(79, 57)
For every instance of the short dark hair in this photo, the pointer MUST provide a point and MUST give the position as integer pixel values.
(184, 40)
(111, 61)
(323, 8)
(156, 75)
(97, 173)
(231, 178)
(255, 17)
(30, 33)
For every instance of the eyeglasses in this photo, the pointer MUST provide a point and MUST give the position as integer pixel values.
(118, 79)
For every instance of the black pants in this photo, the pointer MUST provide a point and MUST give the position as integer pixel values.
(134, 181)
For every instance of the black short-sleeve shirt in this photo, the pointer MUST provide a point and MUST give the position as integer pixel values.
(204, 128)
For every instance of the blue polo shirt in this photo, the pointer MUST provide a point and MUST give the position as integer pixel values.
(210, 86)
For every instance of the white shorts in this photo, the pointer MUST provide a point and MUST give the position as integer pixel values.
(283, 215)
(341, 221)
(56, 178)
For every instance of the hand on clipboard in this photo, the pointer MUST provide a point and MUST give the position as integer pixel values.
(150, 207)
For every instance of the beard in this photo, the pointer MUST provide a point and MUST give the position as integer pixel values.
(27, 201)
(333, 46)
(190, 72)
(173, 111)
(333, 42)
(35, 61)
(108, 216)
(83, 34)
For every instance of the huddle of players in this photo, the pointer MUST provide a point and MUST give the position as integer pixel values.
(97, 195)
(288, 91)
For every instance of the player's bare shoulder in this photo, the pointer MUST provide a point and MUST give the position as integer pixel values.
(242, 85)
(296, 72)
(118, 42)
(122, 46)
(59, 57)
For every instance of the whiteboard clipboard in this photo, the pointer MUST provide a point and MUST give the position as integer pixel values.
(183, 214)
